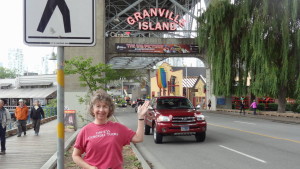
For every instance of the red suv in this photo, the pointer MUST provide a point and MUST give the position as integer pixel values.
(174, 116)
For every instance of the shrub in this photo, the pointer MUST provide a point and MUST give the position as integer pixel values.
(288, 107)
(298, 109)
(272, 107)
(295, 107)
(261, 106)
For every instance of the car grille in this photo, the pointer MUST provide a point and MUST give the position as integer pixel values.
(183, 119)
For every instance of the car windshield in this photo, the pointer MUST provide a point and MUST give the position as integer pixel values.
(174, 103)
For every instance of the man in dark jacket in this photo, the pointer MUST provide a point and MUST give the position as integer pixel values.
(36, 114)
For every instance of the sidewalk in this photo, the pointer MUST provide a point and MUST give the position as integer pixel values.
(260, 114)
(30, 151)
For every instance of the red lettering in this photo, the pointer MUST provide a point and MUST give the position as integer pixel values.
(145, 26)
(165, 26)
(170, 16)
(130, 45)
(161, 12)
(145, 13)
(137, 16)
(173, 26)
(153, 12)
(176, 19)
(130, 20)
(182, 22)
(167, 13)
(158, 26)
(150, 26)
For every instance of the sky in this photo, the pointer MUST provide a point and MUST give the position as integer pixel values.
(11, 34)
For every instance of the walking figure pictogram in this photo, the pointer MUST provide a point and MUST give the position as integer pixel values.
(48, 11)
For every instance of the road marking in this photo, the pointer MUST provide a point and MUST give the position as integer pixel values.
(259, 134)
(245, 122)
(249, 156)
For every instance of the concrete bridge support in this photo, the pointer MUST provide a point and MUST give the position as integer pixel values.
(97, 52)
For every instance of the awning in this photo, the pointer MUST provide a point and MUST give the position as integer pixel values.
(189, 82)
(27, 92)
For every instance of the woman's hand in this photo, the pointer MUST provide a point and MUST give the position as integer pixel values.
(142, 109)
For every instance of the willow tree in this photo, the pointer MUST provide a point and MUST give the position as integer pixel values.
(259, 39)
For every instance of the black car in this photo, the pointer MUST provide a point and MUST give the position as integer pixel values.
(139, 102)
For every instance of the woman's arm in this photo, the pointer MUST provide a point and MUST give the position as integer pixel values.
(79, 161)
(139, 135)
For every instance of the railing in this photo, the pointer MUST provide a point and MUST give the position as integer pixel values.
(49, 112)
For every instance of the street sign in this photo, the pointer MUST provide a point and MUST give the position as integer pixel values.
(59, 22)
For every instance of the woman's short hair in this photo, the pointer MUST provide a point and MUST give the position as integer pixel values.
(102, 96)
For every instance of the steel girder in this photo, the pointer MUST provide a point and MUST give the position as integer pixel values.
(117, 11)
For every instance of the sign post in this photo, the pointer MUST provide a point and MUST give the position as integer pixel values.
(59, 23)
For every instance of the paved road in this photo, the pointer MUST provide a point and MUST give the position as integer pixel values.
(233, 142)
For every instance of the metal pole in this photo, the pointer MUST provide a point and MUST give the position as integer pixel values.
(60, 107)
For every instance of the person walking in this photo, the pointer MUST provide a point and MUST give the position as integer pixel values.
(21, 114)
(36, 114)
(102, 140)
(254, 106)
(209, 104)
(242, 107)
(5, 119)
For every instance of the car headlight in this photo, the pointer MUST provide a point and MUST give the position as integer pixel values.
(200, 117)
(163, 119)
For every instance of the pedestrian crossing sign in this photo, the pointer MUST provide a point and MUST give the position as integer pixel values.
(59, 22)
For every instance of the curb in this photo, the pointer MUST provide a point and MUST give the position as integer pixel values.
(52, 162)
(139, 156)
(260, 115)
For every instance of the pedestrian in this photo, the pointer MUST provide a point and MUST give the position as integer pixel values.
(21, 114)
(209, 104)
(254, 106)
(242, 107)
(102, 140)
(36, 114)
(5, 119)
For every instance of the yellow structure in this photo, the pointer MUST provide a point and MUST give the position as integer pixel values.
(174, 89)
(175, 86)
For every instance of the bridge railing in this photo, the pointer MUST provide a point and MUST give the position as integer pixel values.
(49, 112)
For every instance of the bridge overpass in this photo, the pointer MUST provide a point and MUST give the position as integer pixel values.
(155, 22)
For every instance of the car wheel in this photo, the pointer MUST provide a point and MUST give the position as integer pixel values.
(147, 129)
(156, 136)
(200, 137)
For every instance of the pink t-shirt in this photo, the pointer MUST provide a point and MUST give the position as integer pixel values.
(103, 144)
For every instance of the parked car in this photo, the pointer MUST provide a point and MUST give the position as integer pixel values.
(174, 116)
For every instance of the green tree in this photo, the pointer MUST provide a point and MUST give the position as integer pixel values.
(93, 76)
(256, 38)
(7, 73)
(98, 75)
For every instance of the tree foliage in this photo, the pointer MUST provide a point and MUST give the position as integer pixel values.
(7, 73)
(256, 38)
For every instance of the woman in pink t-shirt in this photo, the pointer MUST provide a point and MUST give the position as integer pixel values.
(102, 141)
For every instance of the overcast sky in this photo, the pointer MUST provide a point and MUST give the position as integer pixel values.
(11, 34)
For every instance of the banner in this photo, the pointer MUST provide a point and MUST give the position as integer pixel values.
(156, 48)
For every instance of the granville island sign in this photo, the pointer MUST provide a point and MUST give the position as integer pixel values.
(172, 25)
